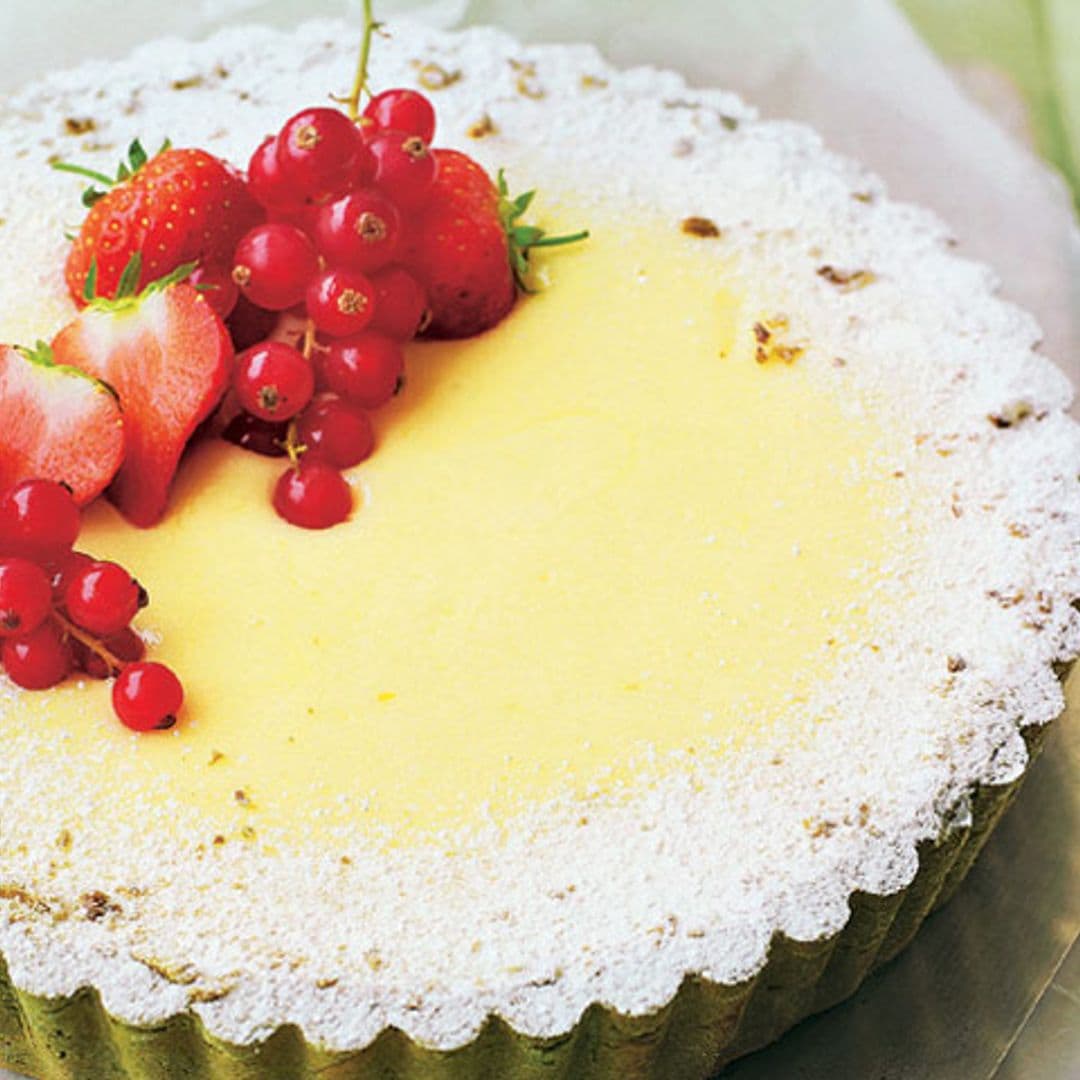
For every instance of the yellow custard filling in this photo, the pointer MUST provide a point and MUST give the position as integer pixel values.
(602, 529)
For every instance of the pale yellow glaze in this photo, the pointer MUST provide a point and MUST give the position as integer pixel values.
(601, 528)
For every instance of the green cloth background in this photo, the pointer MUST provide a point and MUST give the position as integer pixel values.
(1037, 42)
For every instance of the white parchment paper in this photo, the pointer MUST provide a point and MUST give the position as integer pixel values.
(953, 1004)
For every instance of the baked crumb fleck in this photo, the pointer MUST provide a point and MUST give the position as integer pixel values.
(433, 76)
(846, 280)
(700, 226)
(482, 128)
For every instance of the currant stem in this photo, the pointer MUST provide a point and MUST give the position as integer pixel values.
(360, 85)
(116, 665)
(309, 339)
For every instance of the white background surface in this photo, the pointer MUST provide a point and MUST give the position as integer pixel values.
(953, 1005)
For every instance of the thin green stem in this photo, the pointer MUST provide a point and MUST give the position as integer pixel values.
(79, 170)
(360, 84)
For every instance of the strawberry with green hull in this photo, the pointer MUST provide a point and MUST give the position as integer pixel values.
(167, 354)
(177, 207)
(469, 250)
(59, 424)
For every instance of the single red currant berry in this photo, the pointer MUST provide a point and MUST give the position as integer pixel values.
(64, 570)
(259, 436)
(39, 519)
(273, 265)
(321, 152)
(313, 496)
(273, 381)
(103, 598)
(38, 660)
(404, 167)
(403, 110)
(265, 180)
(217, 287)
(400, 304)
(147, 696)
(336, 432)
(25, 596)
(341, 302)
(364, 369)
(360, 230)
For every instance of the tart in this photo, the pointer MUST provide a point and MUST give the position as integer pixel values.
(695, 626)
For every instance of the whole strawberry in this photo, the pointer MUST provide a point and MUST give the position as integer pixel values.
(469, 250)
(178, 207)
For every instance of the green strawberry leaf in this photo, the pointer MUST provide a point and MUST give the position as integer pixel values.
(41, 355)
(90, 284)
(137, 157)
(129, 280)
(523, 238)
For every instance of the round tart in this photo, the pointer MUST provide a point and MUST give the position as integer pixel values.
(694, 628)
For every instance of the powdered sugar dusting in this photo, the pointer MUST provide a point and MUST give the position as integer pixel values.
(612, 900)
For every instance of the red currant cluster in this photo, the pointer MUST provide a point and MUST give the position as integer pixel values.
(62, 611)
(339, 195)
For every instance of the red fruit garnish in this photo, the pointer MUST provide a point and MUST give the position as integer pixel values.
(469, 251)
(322, 153)
(259, 436)
(273, 264)
(365, 369)
(126, 647)
(167, 354)
(266, 182)
(341, 302)
(360, 230)
(38, 520)
(64, 569)
(25, 597)
(403, 110)
(179, 207)
(313, 495)
(147, 696)
(405, 167)
(335, 432)
(38, 660)
(58, 424)
(400, 304)
(273, 381)
(103, 598)
(217, 285)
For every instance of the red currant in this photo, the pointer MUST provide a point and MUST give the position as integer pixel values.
(38, 660)
(265, 181)
(313, 496)
(273, 265)
(65, 569)
(273, 381)
(126, 647)
(147, 696)
(39, 519)
(400, 304)
(341, 302)
(404, 167)
(336, 432)
(217, 285)
(364, 369)
(321, 152)
(103, 598)
(360, 230)
(403, 110)
(25, 596)
(259, 436)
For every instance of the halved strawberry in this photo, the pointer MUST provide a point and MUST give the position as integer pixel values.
(177, 207)
(469, 250)
(167, 354)
(59, 424)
